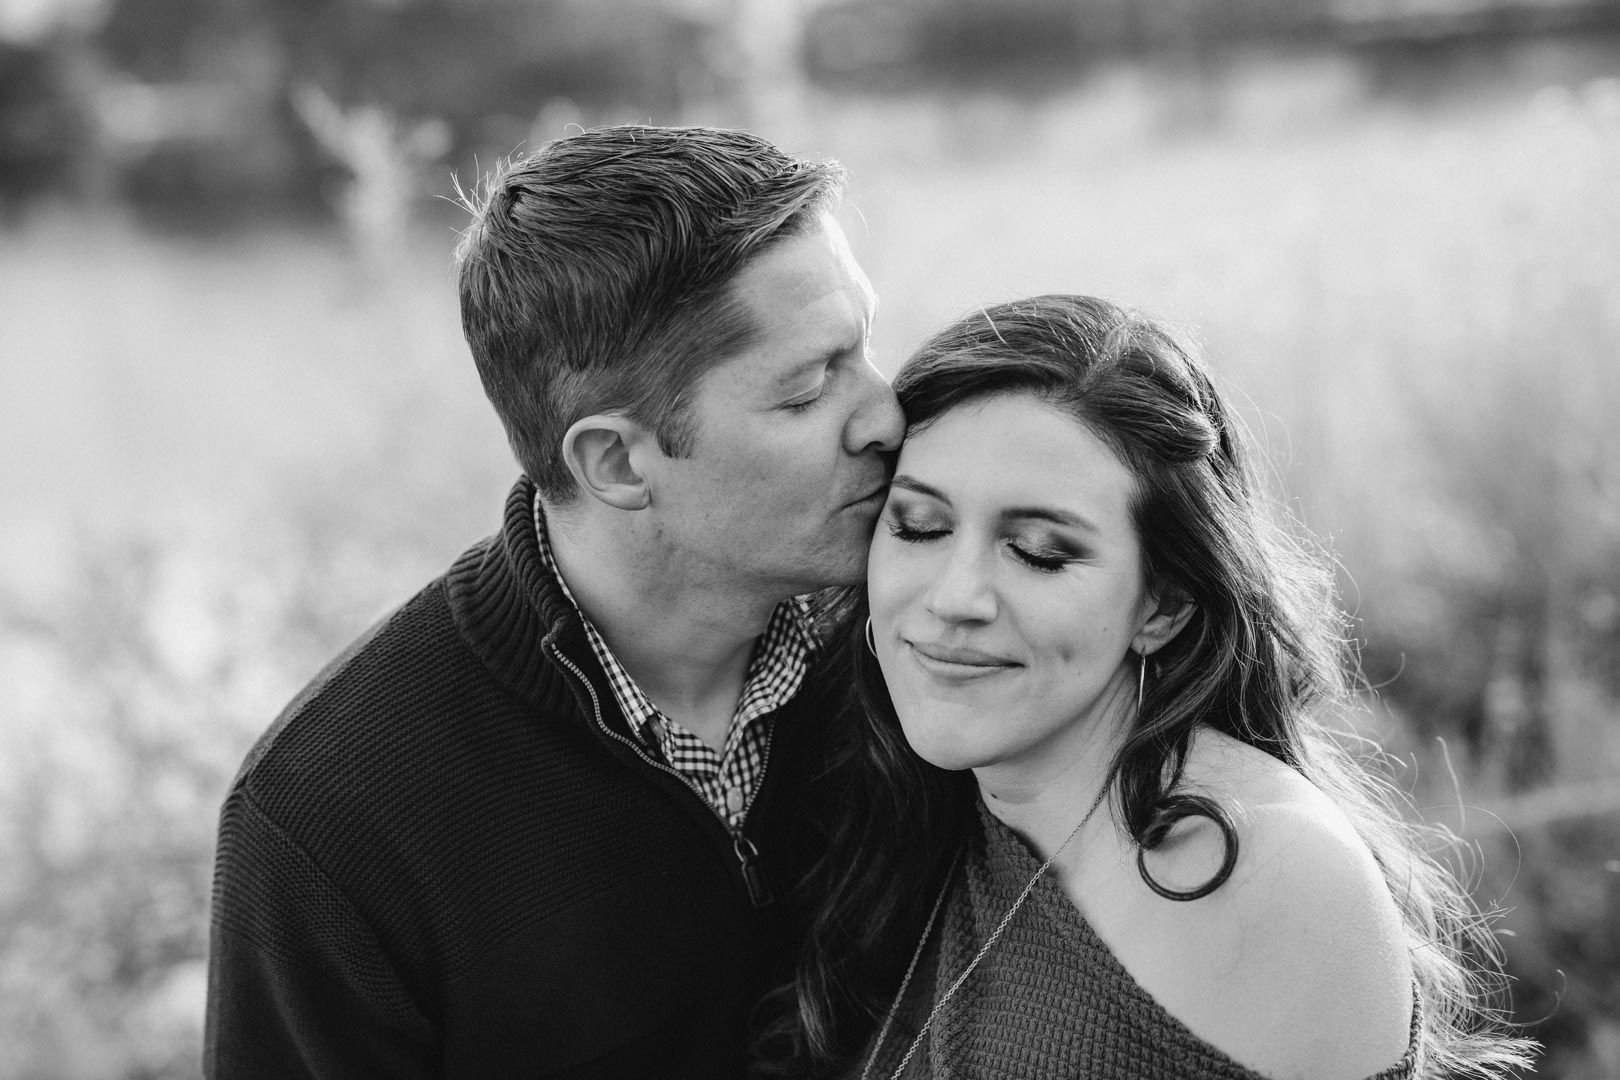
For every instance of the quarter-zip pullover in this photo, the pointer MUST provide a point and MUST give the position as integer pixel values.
(449, 857)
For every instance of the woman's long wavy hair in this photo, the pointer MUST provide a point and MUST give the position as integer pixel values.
(1265, 659)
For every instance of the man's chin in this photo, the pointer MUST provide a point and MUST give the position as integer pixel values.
(831, 571)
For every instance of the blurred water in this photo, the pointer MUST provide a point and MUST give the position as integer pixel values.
(157, 383)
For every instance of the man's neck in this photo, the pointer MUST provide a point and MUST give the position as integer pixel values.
(684, 635)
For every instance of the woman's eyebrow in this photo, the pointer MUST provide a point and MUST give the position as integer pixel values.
(1051, 514)
(911, 483)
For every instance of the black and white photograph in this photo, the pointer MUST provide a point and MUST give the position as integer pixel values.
(809, 539)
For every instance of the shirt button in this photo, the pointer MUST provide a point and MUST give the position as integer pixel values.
(734, 799)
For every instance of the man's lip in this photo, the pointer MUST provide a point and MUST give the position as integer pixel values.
(876, 494)
(960, 656)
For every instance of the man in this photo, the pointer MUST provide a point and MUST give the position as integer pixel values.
(539, 820)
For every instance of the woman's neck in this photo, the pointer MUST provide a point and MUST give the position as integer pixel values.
(1042, 796)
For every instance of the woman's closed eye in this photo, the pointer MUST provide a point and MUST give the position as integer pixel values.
(908, 532)
(1038, 557)
(1045, 558)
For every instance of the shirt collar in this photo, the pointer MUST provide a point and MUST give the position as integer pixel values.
(781, 656)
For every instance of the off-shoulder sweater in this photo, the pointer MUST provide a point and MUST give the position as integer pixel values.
(1049, 999)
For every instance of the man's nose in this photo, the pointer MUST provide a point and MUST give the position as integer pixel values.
(877, 423)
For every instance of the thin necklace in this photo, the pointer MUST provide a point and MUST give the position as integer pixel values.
(995, 935)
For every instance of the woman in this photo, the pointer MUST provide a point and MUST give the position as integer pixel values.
(1120, 842)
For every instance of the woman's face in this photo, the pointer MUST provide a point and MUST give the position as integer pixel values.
(1006, 587)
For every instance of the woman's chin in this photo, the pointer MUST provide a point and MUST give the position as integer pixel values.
(943, 749)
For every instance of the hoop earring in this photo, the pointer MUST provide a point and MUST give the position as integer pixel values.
(871, 645)
(1141, 682)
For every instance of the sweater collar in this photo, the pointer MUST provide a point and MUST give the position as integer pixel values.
(511, 612)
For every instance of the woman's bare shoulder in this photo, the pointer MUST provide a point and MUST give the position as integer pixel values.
(1297, 965)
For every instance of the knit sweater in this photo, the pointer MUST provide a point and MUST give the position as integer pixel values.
(1049, 999)
(448, 858)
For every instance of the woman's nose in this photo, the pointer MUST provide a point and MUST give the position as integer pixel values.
(962, 591)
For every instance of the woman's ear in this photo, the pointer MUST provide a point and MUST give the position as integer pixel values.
(1163, 623)
(599, 451)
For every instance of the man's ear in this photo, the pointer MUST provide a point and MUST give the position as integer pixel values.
(1169, 615)
(600, 451)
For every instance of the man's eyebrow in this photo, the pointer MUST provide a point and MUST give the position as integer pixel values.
(814, 363)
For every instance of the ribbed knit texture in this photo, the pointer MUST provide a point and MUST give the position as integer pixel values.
(437, 863)
(1049, 999)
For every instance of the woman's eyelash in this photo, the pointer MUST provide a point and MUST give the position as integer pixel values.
(906, 534)
(1046, 564)
(1049, 564)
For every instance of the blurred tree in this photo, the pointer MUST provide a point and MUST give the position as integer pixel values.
(195, 103)
(44, 125)
(763, 84)
(385, 162)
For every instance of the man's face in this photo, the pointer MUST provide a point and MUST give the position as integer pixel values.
(789, 466)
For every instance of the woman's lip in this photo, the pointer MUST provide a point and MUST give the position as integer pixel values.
(963, 660)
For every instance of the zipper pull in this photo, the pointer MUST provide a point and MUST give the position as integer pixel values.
(747, 854)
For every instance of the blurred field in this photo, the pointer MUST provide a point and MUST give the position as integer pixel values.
(226, 455)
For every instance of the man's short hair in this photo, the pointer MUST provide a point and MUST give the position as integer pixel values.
(596, 276)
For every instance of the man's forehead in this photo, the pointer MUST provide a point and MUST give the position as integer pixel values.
(804, 268)
(840, 240)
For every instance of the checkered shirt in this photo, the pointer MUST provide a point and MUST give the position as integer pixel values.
(727, 780)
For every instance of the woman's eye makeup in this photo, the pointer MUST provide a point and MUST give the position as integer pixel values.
(1042, 557)
(1042, 554)
(913, 530)
(912, 520)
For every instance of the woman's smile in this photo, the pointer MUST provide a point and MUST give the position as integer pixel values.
(958, 662)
